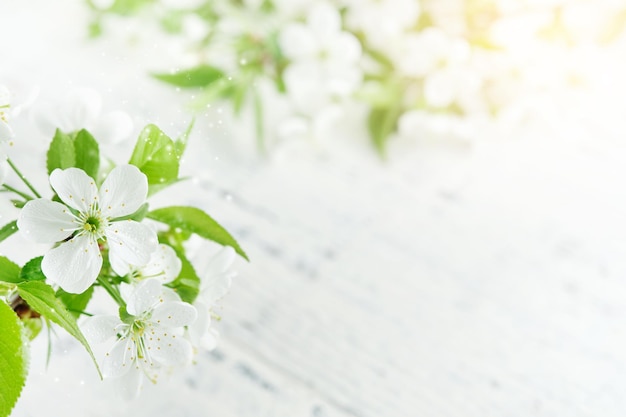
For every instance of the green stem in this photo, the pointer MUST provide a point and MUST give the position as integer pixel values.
(18, 192)
(104, 282)
(23, 178)
(258, 120)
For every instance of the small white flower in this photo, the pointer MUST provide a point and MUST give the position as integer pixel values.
(150, 339)
(420, 54)
(382, 20)
(318, 127)
(324, 59)
(6, 133)
(163, 265)
(89, 216)
(82, 109)
(4, 166)
(216, 279)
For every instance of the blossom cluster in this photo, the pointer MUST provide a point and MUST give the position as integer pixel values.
(105, 241)
(6, 132)
(400, 68)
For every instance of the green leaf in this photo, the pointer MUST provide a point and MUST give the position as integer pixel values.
(138, 215)
(239, 95)
(196, 221)
(13, 359)
(199, 76)
(127, 7)
(41, 297)
(187, 284)
(258, 120)
(94, 29)
(9, 271)
(181, 142)
(381, 123)
(8, 229)
(155, 188)
(75, 303)
(220, 89)
(32, 327)
(31, 271)
(173, 22)
(174, 237)
(381, 58)
(87, 153)
(155, 155)
(61, 153)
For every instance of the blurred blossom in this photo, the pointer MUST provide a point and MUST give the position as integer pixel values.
(183, 4)
(323, 59)
(6, 132)
(419, 54)
(382, 21)
(460, 68)
(80, 109)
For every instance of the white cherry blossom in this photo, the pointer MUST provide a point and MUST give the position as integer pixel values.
(420, 54)
(382, 20)
(149, 339)
(216, 278)
(88, 216)
(6, 133)
(163, 265)
(324, 59)
(80, 109)
(4, 166)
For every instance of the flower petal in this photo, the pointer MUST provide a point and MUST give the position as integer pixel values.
(98, 329)
(324, 21)
(79, 109)
(297, 41)
(5, 96)
(118, 359)
(74, 187)
(174, 314)
(216, 277)
(130, 384)
(131, 241)
(73, 265)
(164, 264)
(145, 295)
(123, 191)
(113, 127)
(6, 133)
(169, 349)
(4, 166)
(119, 266)
(4, 169)
(345, 48)
(46, 221)
(210, 339)
(200, 326)
(169, 294)
(218, 263)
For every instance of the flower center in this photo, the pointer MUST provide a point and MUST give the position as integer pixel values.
(3, 115)
(92, 223)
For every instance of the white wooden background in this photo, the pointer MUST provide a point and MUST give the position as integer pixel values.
(484, 280)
